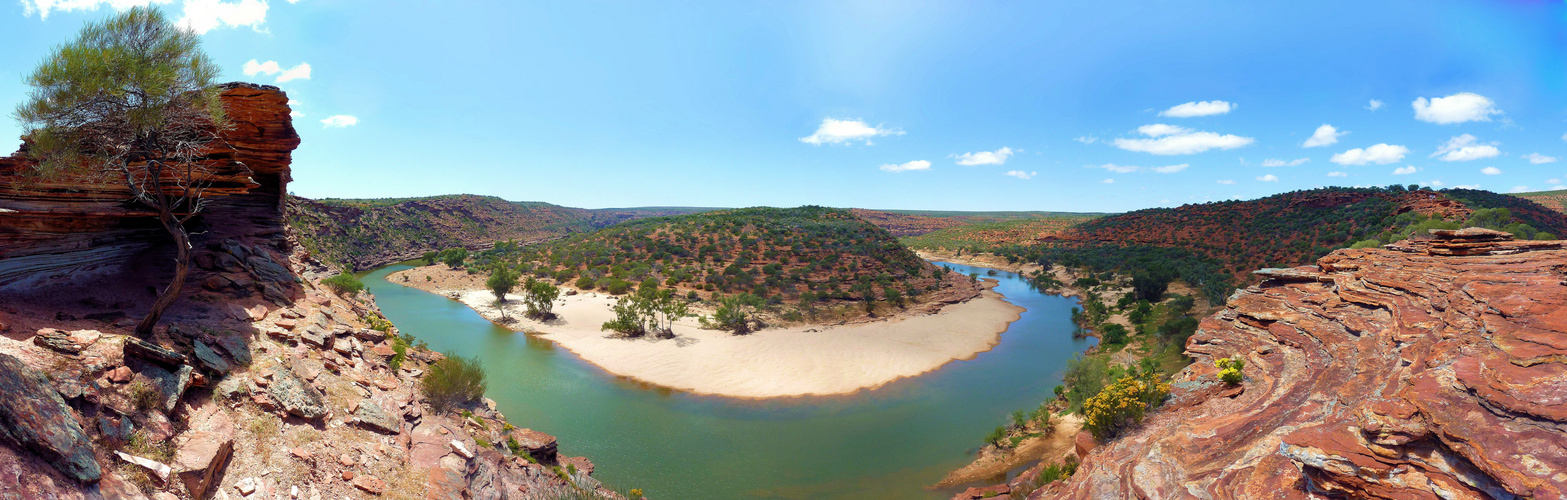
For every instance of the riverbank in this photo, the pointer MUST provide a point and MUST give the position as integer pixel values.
(807, 360)
(995, 462)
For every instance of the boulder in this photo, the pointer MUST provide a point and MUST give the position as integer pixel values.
(201, 457)
(315, 336)
(209, 359)
(135, 347)
(372, 415)
(296, 396)
(370, 484)
(57, 340)
(120, 375)
(542, 447)
(170, 385)
(370, 335)
(34, 417)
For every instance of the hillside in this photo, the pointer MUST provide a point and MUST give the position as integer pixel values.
(805, 255)
(903, 223)
(1215, 246)
(363, 234)
(991, 234)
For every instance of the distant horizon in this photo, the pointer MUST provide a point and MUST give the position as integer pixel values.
(944, 106)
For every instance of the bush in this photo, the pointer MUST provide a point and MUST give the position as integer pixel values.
(453, 257)
(344, 284)
(1230, 369)
(585, 283)
(454, 381)
(1122, 405)
(501, 282)
(1112, 333)
(996, 436)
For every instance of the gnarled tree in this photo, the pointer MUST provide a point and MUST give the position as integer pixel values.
(131, 100)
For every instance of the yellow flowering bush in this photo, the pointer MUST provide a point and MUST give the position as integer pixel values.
(1122, 405)
(1230, 369)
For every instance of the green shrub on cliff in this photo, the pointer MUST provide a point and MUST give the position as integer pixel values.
(1230, 369)
(454, 381)
(1122, 405)
(344, 284)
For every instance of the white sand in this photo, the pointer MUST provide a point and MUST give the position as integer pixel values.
(811, 360)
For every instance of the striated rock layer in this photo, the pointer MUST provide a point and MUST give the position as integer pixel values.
(1407, 372)
(61, 229)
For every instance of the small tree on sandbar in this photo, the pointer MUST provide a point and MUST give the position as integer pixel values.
(131, 100)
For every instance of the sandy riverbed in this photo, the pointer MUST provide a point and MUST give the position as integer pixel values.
(797, 361)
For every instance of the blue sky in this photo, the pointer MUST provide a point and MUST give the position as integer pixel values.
(1066, 106)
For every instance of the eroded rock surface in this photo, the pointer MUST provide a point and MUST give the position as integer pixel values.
(1433, 369)
(33, 416)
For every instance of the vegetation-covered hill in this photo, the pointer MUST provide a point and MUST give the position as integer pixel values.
(805, 255)
(1554, 200)
(1215, 246)
(990, 234)
(362, 234)
(903, 223)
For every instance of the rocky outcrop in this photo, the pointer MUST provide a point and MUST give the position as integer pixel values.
(66, 229)
(1417, 372)
(34, 417)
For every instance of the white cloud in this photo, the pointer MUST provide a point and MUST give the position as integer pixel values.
(1468, 186)
(1338, 174)
(253, 68)
(269, 68)
(1553, 182)
(834, 131)
(1324, 135)
(1537, 158)
(1564, 137)
(1108, 181)
(1380, 154)
(1270, 162)
(1405, 170)
(1375, 105)
(1173, 140)
(1519, 189)
(295, 114)
(300, 72)
(44, 7)
(913, 165)
(1465, 148)
(1021, 174)
(1170, 169)
(996, 157)
(1226, 181)
(1198, 108)
(1088, 139)
(1120, 169)
(1456, 108)
(1437, 183)
(202, 16)
(1269, 178)
(340, 121)
(1491, 171)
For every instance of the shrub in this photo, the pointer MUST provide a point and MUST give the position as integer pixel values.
(454, 381)
(1230, 369)
(1112, 333)
(585, 283)
(501, 282)
(1122, 405)
(429, 258)
(453, 257)
(996, 436)
(344, 284)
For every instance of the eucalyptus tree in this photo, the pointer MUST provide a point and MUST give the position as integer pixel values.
(131, 100)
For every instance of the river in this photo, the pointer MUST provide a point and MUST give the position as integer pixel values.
(883, 444)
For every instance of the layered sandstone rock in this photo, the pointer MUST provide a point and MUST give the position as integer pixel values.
(1405, 373)
(66, 228)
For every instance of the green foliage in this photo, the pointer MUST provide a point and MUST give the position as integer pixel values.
(1085, 377)
(585, 283)
(501, 282)
(429, 258)
(144, 396)
(734, 314)
(399, 353)
(453, 257)
(539, 297)
(997, 436)
(344, 284)
(648, 310)
(1150, 284)
(454, 381)
(1372, 243)
(1230, 369)
(1112, 334)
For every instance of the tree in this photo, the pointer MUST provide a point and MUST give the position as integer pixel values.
(132, 99)
(540, 298)
(453, 257)
(429, 258)
(502, 280)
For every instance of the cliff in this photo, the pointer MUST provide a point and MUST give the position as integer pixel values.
(1429, 369)
(74, 227)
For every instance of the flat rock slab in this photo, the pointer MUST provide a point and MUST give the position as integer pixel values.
(209, 359)
(170, 385)
(135, 347)
(372, 415)
(201, 457)
(296, 396)
(237, 347)
(33, 416)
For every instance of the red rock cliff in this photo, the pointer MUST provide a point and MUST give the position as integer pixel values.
(61, 229)
(1432, 369)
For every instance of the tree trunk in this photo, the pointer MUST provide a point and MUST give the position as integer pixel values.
(181, 269)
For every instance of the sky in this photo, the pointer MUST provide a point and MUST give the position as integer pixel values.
(1039, 105)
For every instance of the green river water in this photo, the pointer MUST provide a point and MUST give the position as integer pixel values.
(883, 444)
